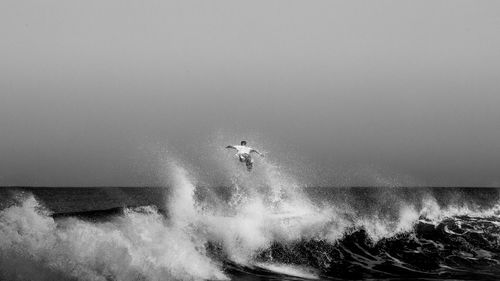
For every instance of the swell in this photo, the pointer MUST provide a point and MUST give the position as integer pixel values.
(459, 247)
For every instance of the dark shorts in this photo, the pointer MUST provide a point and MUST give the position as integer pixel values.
(245, 158)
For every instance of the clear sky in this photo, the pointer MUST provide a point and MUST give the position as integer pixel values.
(360, 92)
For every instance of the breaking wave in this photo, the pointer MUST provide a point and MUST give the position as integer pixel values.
(264, 224)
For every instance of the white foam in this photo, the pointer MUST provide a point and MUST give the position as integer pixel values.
(136, 246)
(290, 270)
(432, 211)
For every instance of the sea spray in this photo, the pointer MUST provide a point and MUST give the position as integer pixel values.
(181, 204)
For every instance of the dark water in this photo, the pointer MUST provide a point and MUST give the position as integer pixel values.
(196, 233)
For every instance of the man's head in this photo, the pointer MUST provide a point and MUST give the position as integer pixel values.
(243, 142)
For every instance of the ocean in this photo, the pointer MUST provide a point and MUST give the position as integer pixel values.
(264, 226)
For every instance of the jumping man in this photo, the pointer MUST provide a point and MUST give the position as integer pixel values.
(243, 153)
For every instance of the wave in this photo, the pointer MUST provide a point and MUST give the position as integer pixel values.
(263, 225)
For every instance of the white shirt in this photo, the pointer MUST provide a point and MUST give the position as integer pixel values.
(242, 149)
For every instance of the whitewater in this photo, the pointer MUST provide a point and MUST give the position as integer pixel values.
(265, 225)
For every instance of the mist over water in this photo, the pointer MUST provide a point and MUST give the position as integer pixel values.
(263, 223)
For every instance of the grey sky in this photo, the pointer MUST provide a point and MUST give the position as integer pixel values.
(407, 91)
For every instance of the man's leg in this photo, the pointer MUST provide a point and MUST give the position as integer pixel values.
(249, 163)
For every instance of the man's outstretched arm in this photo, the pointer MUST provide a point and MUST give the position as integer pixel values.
(230, 146)
(256, 151)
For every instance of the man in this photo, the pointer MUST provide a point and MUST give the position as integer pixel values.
(243, 153)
